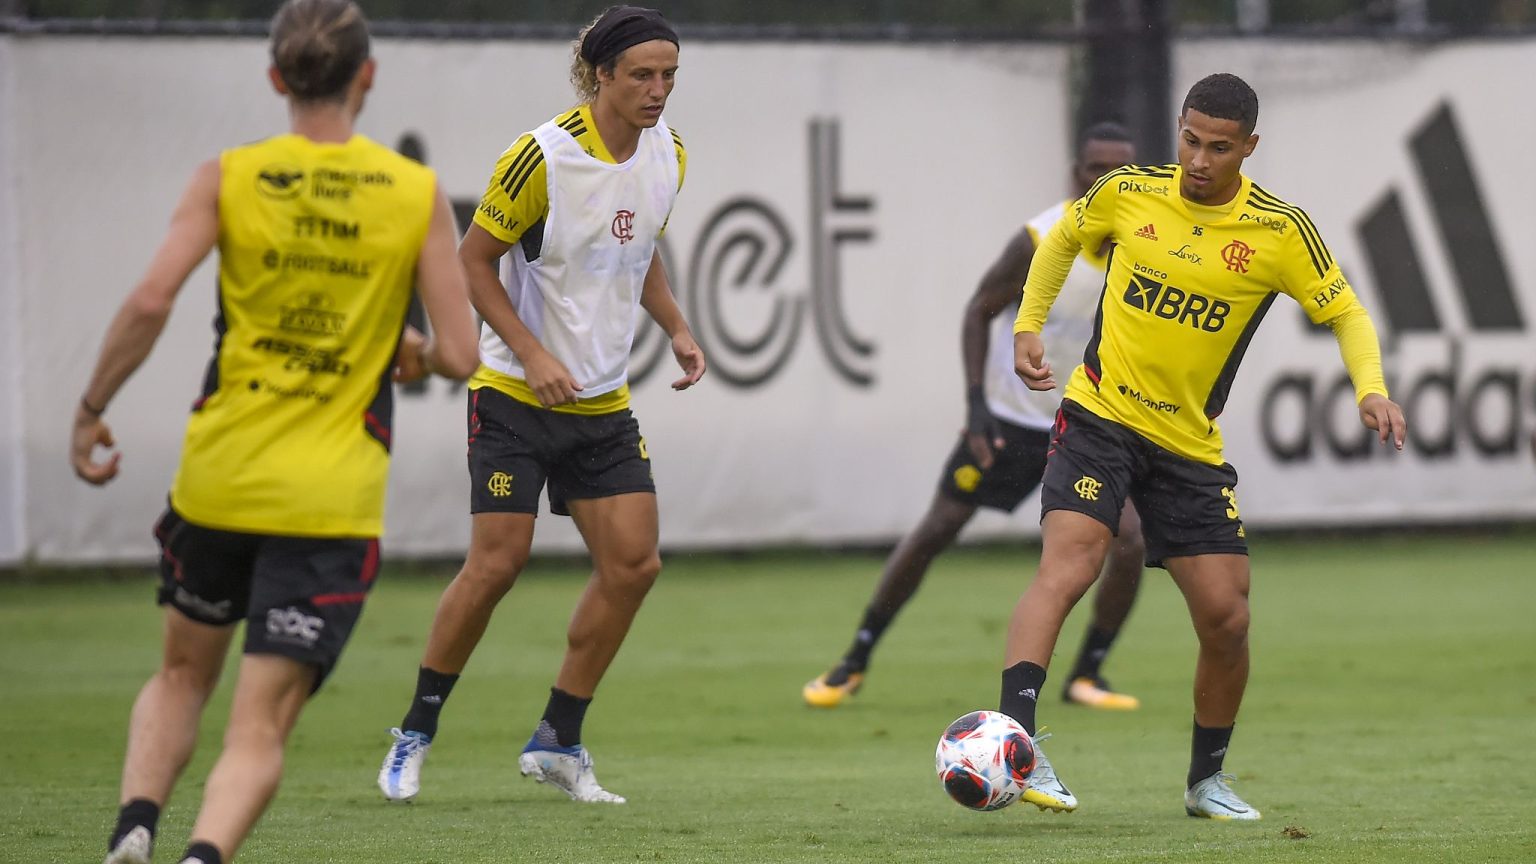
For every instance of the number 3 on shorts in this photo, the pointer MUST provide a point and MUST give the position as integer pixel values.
(643, 454)
(1226, 492)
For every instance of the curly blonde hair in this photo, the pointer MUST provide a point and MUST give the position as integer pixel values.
(583, 73)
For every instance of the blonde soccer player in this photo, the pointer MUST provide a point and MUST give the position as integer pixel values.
(573, 210)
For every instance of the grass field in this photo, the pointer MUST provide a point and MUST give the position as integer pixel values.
(1391, 717)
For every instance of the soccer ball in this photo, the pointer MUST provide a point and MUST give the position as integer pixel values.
(983, 760)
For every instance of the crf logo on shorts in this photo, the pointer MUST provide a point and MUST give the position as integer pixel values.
(1088, 488)
(624, 226)
(292, 625)
(500, 484)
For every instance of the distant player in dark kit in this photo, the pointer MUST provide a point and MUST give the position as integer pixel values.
(296, 405)
(1000, 457)
(1201, 253)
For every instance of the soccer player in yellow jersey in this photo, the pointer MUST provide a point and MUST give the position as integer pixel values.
(278, 501)
(571, 214)
(1201, 252)
(1000, 456)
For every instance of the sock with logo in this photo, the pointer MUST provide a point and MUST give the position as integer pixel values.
(1207, 750)
(1021, 693)
(140, 812)
(202, 853)
(432, 689)
(870, 630)
(564, 713)
(1095, 648)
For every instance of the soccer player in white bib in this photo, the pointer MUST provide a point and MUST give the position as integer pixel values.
(1000, 457)
(561, 253)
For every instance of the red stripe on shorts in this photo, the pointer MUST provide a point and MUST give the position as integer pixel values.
(371, 562)
(338, 599)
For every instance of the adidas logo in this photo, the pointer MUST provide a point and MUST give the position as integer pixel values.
(1147, 231)
(432, 700)
(1029, 692)
(1474, 398)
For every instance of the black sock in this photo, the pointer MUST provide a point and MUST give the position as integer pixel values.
(564, 714)
(1021, 692)
(1207, 749)
(206, 853)
(1095, 646)
(870, 630)
(432, 689)
(139, 811)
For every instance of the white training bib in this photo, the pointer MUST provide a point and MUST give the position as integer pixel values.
(580, 296)
(1066, 333)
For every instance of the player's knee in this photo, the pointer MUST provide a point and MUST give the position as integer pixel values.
(1071, 568)
(196, 676)
(259, 731)
(1226, 632)
(633, 576)
(492, 573)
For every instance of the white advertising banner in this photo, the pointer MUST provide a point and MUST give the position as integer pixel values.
(1412, 168)
(12, 458)
(842, 201)
(840, 204)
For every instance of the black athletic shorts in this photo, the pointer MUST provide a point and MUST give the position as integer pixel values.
(1016, 470)
(300, 597)
(514, 448)
(1186, 507)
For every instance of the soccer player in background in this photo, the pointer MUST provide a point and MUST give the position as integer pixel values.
(322, 235)
(1000, 456)
(578, 203)
(1201, 252)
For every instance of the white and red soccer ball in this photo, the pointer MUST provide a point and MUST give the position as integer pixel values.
(984, 760)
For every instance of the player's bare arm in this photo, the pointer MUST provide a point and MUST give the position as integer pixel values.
(657, 300)
(1000, 287)
(192, 234)
(440, 281)
(548, 378)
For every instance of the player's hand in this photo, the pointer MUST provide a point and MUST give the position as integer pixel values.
(690, 358)
(1029, 361)
(983, 434)
(1382, 414)
(88, 433)
(550, 380)
(411, 359)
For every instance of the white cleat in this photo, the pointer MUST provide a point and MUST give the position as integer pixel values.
(1044, 789)
(568, 769)
(136, 847)
(1213, 798)
(400, 776)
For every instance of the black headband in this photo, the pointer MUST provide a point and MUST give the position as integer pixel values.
(623, 27)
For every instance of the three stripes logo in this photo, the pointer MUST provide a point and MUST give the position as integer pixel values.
(1483, 402)
(1147, 232)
